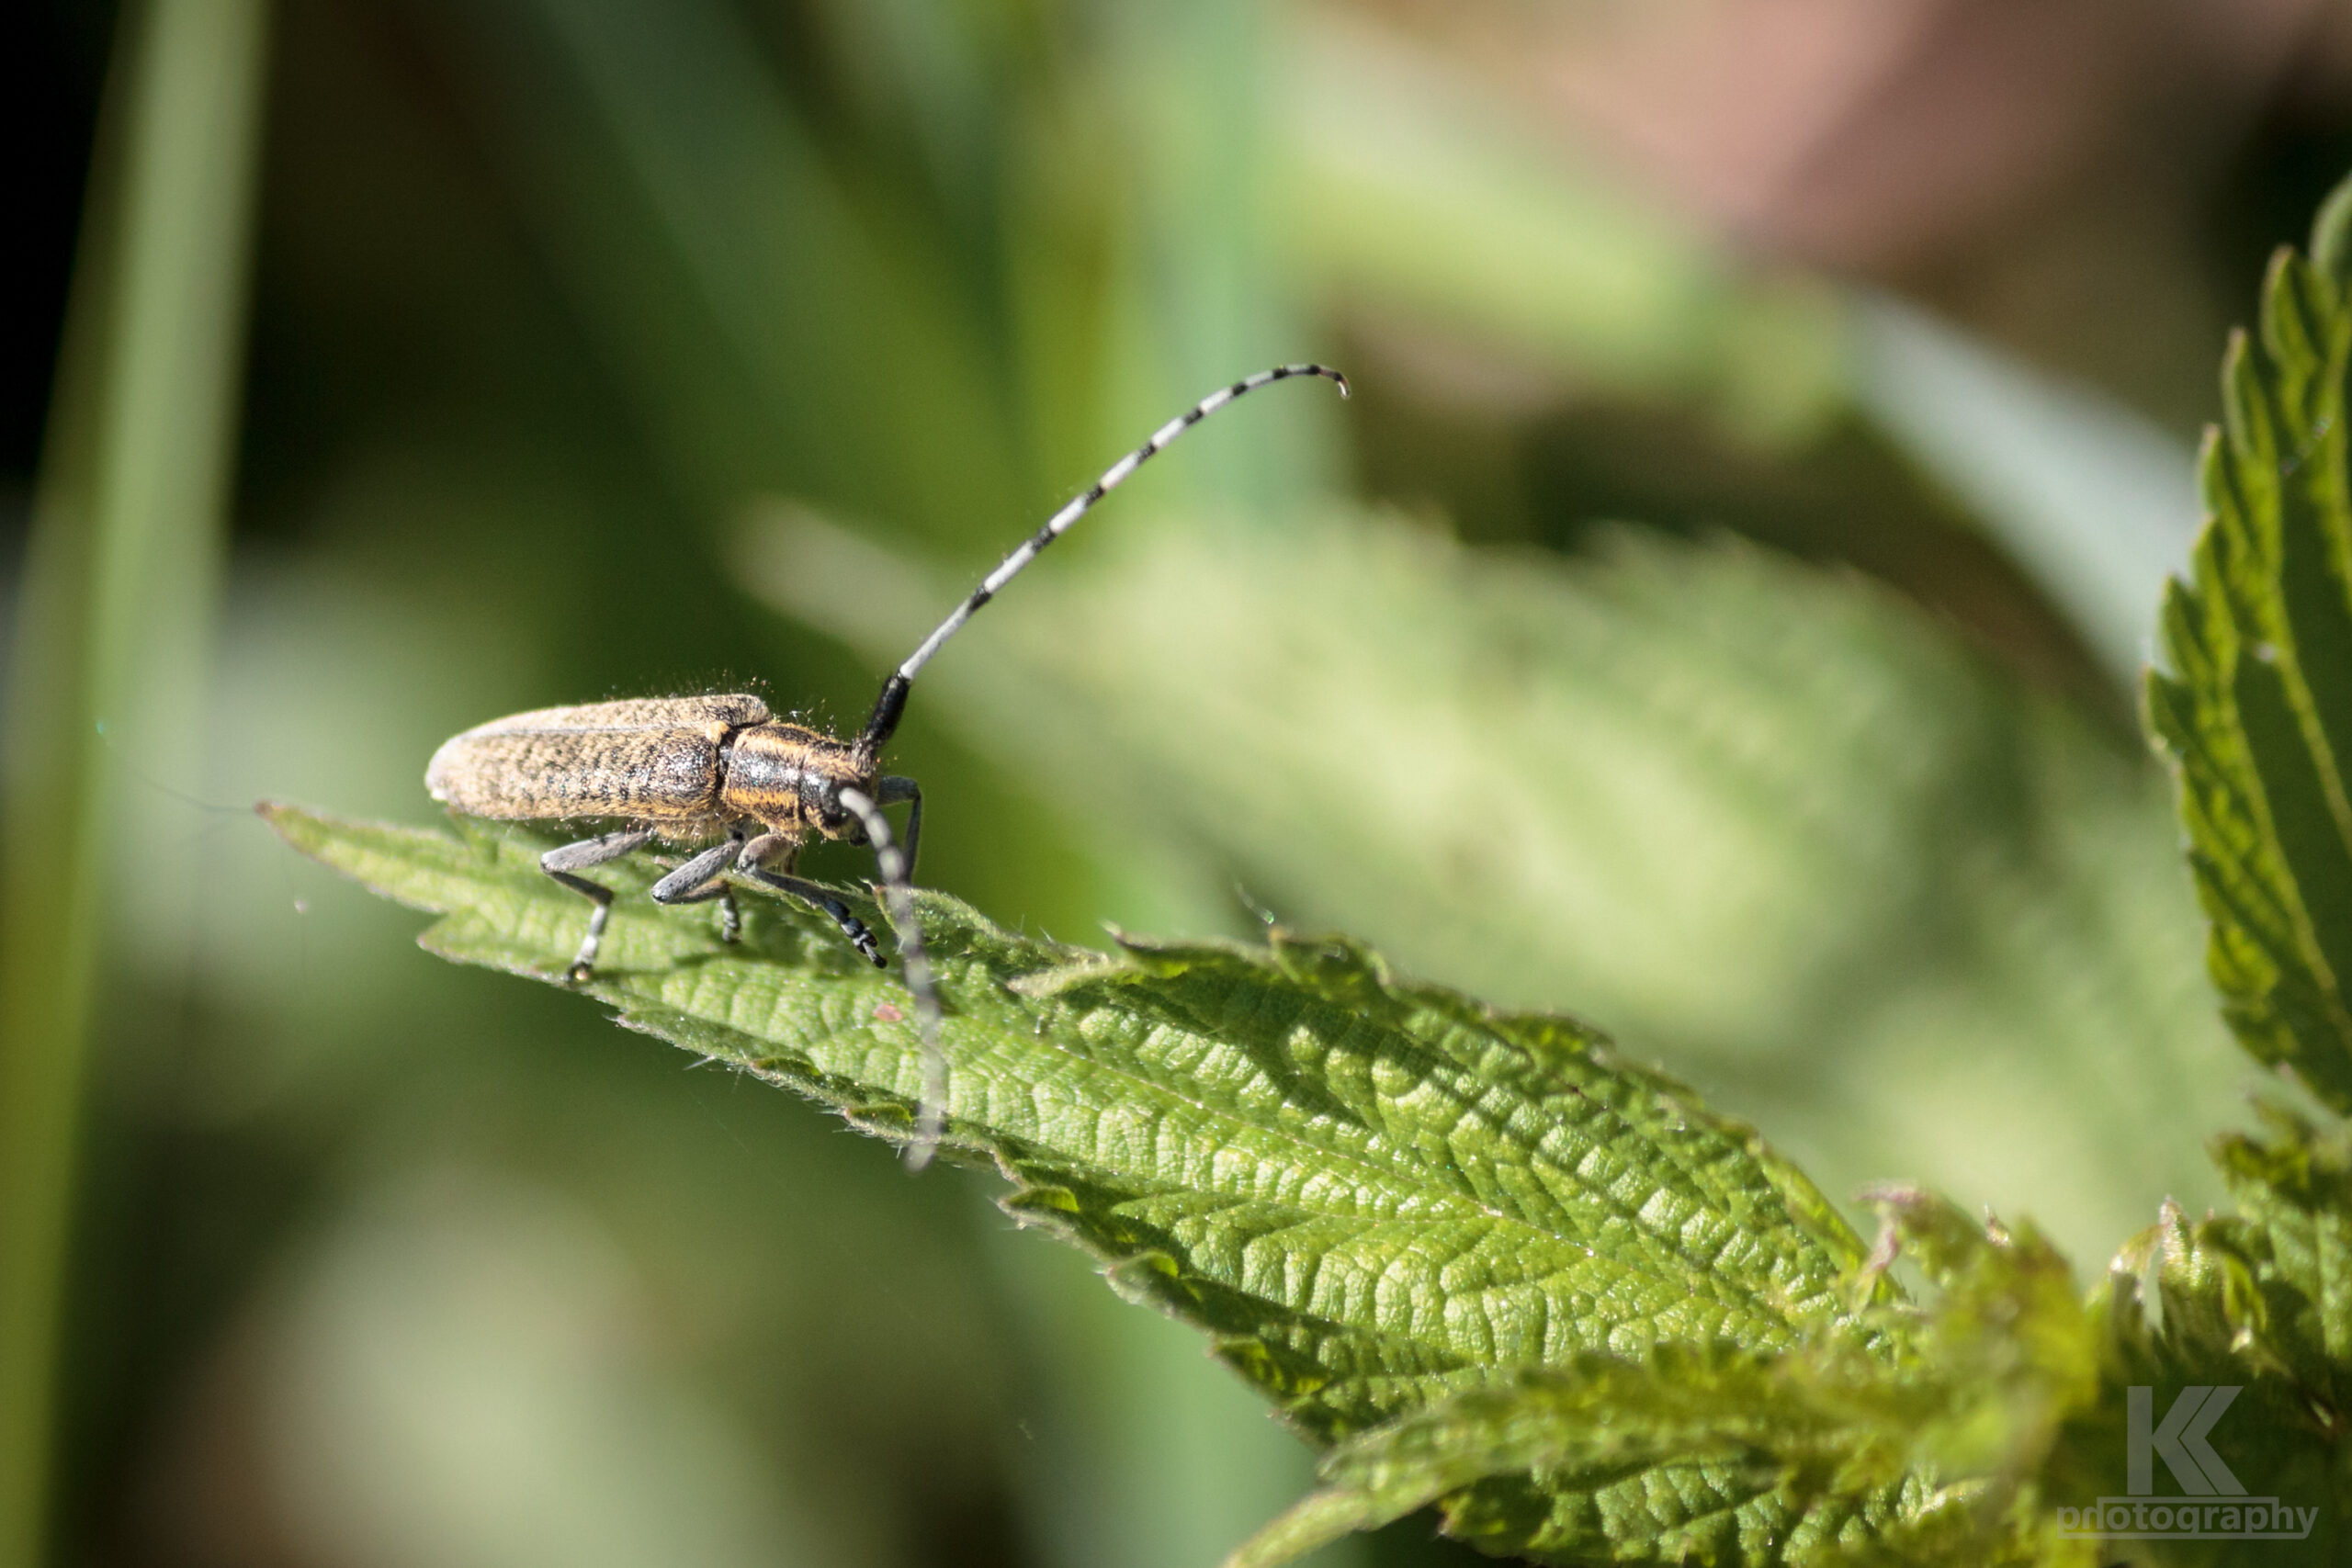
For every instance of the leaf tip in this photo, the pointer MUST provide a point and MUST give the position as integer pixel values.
(1313, 1521)
(2331, 235)
(304, 830)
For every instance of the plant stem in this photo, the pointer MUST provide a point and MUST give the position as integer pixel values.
(117, 596)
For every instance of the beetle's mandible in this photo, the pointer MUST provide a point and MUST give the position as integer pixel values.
(745, 789)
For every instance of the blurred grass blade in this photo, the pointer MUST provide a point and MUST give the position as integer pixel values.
(771, 325)
(117, 594)
(1366, 1190)
(2090, 498)
(2256, 710)
(1199, 90)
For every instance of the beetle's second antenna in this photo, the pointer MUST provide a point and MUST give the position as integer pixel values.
(892, 702)
(898, 899)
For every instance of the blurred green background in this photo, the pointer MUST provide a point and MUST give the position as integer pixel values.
(1714, 614)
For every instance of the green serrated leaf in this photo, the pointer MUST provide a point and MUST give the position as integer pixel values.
(1369, 1193)
(2256, 711)
(2294, 1192)
(2006, 1355)
(1505, 1273)
(1721, 1454)
(1691, 1452)
(2210, 1303)
(2262, 1297)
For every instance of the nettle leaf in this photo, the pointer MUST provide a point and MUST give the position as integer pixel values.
(2262, 1297)
(2257, 710)
(1370, 1193)
(2294, 1194)
(1922, 1445)
(2247, 1302)
(1691, 1451)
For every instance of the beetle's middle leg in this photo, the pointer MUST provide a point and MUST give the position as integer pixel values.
(696, 882)
(560, 864)
(748, 862)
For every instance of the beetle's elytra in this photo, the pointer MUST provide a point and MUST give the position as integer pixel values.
(689, 770)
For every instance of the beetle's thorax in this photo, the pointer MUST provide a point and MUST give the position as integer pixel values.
(788, 777)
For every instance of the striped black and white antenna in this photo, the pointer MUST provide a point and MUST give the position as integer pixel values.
(892, 704)
(898, 893)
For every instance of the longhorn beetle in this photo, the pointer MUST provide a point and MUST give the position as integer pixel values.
(691, 770)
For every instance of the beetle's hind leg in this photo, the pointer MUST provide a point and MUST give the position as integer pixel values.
(748, 862)
(697, 882)
(560, 864)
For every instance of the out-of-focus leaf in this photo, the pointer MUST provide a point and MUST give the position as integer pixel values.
(2257, 709)
(1763, 819)
(1410, 195)
(1366, 1190)
(467, 1369)
(1404, 191)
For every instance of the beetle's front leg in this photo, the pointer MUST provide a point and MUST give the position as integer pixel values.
(767, 844)
(562, 862)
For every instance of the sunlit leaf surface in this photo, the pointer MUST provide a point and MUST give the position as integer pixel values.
(1364, 1185)
(1369, 1193)
(2256, 710)
(1824, 1453)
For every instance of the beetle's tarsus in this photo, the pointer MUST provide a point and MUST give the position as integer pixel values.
(811, 893)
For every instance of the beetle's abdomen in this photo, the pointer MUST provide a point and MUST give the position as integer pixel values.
(662, 773)
(654, 760)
